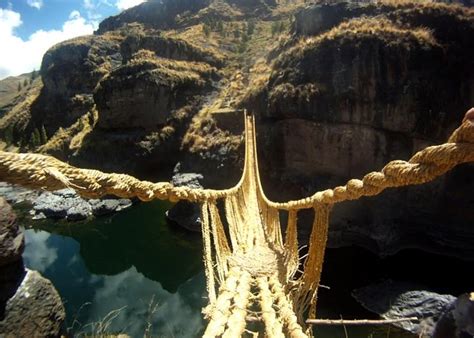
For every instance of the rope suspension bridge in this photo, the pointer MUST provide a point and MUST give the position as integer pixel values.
(252, 270)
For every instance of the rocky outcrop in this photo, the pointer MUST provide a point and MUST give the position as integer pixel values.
(358, 92)
(132, 89)
(30, 306)
(145, 93)
(70, 73)
(164, 47)
(154, 14)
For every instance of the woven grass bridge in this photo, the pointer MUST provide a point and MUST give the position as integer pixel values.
(252, 270)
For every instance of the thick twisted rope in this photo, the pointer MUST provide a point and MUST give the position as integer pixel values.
(220, 313)
(273, 324)
(38, 171)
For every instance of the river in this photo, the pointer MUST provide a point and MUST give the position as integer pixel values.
(134, 273)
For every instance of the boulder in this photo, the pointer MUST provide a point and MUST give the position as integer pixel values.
(35, 310)
(393, 300)
(63, 203)
(108, 206)
(12, 241)
(184, 213)
(67, 204)
(458, 319)
(189, 180)
(29, 304)
(78, 212)
(16, 194)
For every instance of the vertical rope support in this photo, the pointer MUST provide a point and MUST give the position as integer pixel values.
(207, 255)
(229, 215)
(273, 326)
(307, 295)
(221, 311)
(290, 320)
(271, 223)
(237, 321)
(291, 244)
(220, 241)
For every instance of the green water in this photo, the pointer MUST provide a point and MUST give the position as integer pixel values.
(131, 261)
(134, 273)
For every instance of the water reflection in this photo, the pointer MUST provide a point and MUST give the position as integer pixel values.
(123, 262)
(136, 296)
(40, 254)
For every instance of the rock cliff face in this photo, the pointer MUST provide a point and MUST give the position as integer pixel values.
(70, 73)
(131, 89)
(348, 94)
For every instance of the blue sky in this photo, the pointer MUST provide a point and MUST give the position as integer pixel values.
(29, 27)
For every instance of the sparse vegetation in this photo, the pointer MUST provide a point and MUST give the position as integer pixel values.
(35, 139)
(206, 29)
(277, 27)
(378, 27)
(70, 139)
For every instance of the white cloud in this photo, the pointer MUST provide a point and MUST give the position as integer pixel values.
(93, 9)
(89, 4)
(21, 56)
(125, 4)
(35, 3)
(74, 15)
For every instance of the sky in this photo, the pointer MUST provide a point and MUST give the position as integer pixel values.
(28, 28)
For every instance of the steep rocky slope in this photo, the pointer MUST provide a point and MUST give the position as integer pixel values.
(356, 86)
(339, 88)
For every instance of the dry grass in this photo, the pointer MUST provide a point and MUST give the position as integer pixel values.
(246, 67)
(195, 37)
(259, 76)
(71, 139)
(20, 114)
(360, 28)
(424, 4)
(204, 135)
(191, 69)
(288, 7)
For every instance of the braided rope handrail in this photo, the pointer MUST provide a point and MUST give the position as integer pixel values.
(45, 172)
(37, 171)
